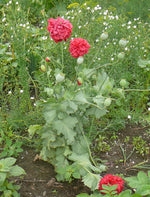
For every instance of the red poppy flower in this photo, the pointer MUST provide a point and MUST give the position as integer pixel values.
(109, 179)
(60, 29)
(78, 47)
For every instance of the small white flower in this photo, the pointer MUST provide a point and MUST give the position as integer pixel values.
(88, 8)
(4, 19)
(16, 2)
(117, 17)
(79, 27)
(34, 104)
(9, 92)
(32, 97)
(129, 117)
(21, 91)
(149, 109)
(44, 37)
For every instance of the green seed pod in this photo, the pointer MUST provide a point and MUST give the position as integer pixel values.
(107, 102)
(123, 83)
(80, 60)
(123, 42)
(121, 55)
(60, 77)
(104, 36)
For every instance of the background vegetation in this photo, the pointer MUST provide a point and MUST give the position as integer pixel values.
(25, 42)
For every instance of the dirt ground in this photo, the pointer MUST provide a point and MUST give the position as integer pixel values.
(40, 178)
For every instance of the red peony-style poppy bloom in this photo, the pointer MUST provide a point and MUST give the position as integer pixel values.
(60, 29)
(109, 179)
(78, 47)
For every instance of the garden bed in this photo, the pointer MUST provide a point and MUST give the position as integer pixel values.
(40, 178)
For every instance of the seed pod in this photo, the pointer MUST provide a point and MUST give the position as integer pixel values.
(123, 42)
(60, 77)
(123, 83)
(104, 36)
(80, 60)
(121, 55)
(107, 102)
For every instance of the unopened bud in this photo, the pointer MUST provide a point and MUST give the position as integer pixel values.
(47, 59)
(79, 81)
(43, 68)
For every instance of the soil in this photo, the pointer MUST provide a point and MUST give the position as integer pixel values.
(40, 178)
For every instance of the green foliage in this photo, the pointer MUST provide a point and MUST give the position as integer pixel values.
(141, 183)
(7, 170)
(140, 146)
(68, 110)
(101, 144)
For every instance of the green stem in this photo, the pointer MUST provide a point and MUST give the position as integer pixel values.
(137, 90)
(138, 165)
(104, 65)
(62, 55)
(90, 154)
(124, 154)
(91, 126)
(103, 130)
(36, 94)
